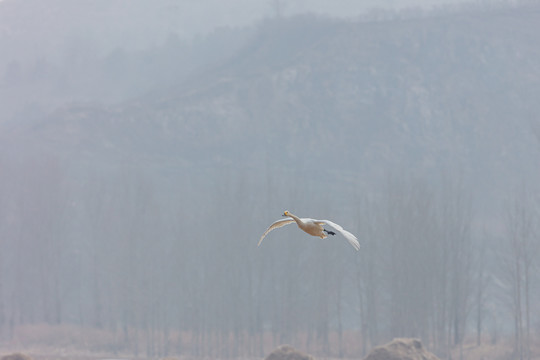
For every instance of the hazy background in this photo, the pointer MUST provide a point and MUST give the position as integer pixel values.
(145, 147)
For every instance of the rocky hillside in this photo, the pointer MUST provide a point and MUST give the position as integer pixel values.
(419, 94)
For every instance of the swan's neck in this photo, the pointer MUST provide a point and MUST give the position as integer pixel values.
(296, 218)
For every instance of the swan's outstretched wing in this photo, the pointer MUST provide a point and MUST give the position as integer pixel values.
(350, 237)
(275, 225)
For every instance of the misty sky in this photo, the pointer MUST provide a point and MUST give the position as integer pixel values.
(190, 17)
(203, 16)
(40, 28)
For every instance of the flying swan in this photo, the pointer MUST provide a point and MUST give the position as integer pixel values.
(312, 227)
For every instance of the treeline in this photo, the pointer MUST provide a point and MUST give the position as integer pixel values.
(172, 267)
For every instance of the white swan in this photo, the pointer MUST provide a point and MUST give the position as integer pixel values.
(312, 227)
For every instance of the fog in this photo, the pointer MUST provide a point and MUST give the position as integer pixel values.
(146, 146)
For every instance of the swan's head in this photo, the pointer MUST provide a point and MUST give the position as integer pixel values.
(286, 213)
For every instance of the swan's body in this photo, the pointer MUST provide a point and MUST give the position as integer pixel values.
(312, 227)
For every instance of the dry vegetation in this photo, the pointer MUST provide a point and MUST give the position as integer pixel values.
(66, 342)
(44, 342)
(15, 356)
(501, 350)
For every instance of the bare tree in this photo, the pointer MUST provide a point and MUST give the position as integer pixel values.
(368, 281)
(481, 283)
(522, 245)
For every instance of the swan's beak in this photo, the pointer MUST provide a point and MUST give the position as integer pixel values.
(283, 215)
